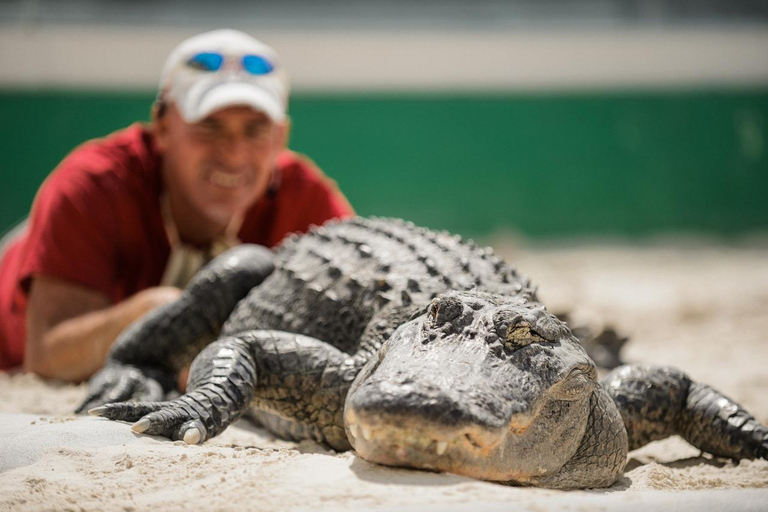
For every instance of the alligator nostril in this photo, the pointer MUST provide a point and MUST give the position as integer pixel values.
(444, 309)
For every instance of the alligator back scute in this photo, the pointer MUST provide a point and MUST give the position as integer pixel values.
(329, 283)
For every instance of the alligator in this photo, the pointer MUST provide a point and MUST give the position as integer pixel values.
(415, 348)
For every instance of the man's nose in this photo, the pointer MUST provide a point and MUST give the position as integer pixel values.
(235, 150)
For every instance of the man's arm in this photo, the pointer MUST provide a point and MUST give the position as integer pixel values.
(70, 328)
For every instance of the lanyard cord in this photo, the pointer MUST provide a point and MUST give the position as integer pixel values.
(185, 260)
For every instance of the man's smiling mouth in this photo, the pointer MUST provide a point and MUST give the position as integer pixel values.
(228, 180)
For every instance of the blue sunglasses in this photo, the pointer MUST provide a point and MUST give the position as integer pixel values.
(210, 61)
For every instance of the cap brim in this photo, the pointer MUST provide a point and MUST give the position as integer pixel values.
(231, 94)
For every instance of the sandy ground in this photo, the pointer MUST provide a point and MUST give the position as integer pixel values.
(701, 307)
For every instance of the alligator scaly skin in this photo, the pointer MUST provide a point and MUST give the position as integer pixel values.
(300, 348)
(350, 284)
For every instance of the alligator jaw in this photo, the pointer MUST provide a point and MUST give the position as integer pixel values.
(395, 442)
(494, 390)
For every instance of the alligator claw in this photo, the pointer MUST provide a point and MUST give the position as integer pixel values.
(192, 436)
(97, 411)
(192, 418)
(141, 426)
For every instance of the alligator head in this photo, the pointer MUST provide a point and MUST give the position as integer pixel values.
(480, 385)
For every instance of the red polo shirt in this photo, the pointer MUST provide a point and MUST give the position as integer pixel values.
(96, 222)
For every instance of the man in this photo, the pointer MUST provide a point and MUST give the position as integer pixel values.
(124, 222)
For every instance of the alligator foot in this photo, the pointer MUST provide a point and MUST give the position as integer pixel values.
(603, 347)
(193, 418)
(221, 382)
(718, 425)
(118, 382)
(657, 402)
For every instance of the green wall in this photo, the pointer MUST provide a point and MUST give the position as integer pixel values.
(545, 164)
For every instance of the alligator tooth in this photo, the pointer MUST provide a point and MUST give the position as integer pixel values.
(441, 447)
(353, 430)
(367, 435)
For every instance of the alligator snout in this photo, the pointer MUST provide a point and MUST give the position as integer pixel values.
(427, 403)
(473, 387)
(421, 426)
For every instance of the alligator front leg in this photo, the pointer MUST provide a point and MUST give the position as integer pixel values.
(166, 340)
(602, 455)
(657, 402)
(300, 379)
(221, 385)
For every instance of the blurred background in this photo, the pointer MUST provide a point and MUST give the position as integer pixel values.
(543, 118)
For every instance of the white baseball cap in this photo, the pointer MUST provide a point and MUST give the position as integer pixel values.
(220, 69)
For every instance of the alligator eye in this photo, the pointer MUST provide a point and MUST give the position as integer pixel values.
(522, 334)
(444, 309)
(514, 331)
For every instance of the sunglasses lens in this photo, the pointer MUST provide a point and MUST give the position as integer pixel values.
(206, 61)
(257, 65)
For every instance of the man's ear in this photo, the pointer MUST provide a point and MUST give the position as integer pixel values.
(284, 132)
(160, 125)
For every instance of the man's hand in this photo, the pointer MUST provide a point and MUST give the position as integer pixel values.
(151, 298)
(70, 328)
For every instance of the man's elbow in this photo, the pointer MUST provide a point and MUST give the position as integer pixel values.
(39, 367)
(48, 368)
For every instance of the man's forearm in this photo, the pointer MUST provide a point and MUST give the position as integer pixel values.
(74, 348)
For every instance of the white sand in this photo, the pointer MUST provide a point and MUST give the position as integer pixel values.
(702, 308)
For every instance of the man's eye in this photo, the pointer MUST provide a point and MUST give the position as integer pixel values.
(206, 129)
(257, 130)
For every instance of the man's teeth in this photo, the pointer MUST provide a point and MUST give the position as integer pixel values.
(227, 180)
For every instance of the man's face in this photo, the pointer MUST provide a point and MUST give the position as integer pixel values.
(219, 166)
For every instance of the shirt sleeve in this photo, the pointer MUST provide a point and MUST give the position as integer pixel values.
(72, 228)
(305, 197)
(320, 197)
(325, 201)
